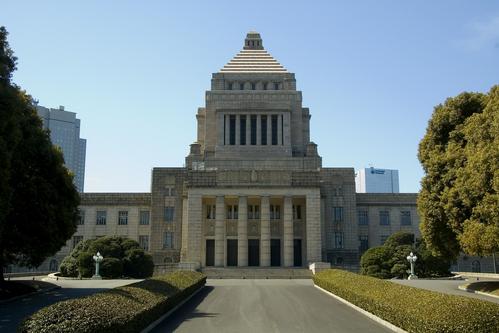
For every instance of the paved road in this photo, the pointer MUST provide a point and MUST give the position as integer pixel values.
(266, 306)
(445, 286)
(12, 313)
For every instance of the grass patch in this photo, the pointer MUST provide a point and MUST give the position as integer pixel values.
(124, 309)
(489, 287)
(412, 309)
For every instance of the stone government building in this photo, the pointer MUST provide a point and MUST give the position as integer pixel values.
(253, 191)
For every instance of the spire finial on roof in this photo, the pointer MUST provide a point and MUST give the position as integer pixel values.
(253, 41)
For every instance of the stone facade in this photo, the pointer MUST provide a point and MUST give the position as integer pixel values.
(253, 191)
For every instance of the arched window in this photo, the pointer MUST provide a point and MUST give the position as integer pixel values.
(475, 266)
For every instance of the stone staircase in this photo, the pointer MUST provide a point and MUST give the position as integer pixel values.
(256, 273)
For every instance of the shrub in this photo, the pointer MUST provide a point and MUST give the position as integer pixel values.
(86, 266)
(125, 309)
(69, 267)
(111, 268)
(138, 264)
(127, 250)
(412, 309)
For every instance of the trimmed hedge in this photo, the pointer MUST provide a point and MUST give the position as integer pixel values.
(124, 309)
(412, 309)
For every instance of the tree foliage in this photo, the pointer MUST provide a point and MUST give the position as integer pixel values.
(38, 201)
(459, 199)
(390, 259)
(129, 258)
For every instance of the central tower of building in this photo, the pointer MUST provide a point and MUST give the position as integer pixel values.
(252, 195)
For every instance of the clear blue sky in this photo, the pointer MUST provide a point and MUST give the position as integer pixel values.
(135, 72)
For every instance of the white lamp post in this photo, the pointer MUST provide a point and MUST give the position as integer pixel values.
(412, 260)
(97, 258)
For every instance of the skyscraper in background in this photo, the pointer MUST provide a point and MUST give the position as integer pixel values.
(65, 132)
(372, 180)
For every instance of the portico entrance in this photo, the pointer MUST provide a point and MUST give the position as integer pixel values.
(275, 252)
(253, 252)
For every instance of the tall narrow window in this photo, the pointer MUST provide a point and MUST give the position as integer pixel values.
(276, 86)
(274, 130)
(122, 217)
(297, 212)
(363, 217)
(229, 87)
(405, 217)
(265, 86)
(168, 240)
(264, 130)
(242, 130)
(168, 214)
(210, 212)
(253, 86)
(241, 86)
(364, 244)
(101, 217)
(384, 217)
(232, 130)
(338, 214)
(144, 217)
(81, 220)
(253, 130)
(225, 127)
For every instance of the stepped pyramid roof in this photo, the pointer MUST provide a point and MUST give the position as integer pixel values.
(253, 58)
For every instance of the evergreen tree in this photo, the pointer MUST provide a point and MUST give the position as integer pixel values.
(38, 201)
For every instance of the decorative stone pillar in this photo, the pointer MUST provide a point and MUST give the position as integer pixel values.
(220, 231)
(227, 129)
(238, 131)
(269, 130)
(258, 130)
(313, 226)
(194, 229)
(288, 232)
(242, 232)
(265, 232)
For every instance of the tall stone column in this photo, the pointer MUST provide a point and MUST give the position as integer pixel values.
(269, 129)
(220, 231)
(238, 130)
(279, 130)
(227, 129)
(248, 129)
(258, 130)
(194, 228)
(313, 226)
(265, 232)
(242, 232)
(288, 232)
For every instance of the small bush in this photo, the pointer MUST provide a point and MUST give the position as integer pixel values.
(125, 309)
(86, 266)
(138, 264)
(69, 267)
(111, 268)
(412, 309)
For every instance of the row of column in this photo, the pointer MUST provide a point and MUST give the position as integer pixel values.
(258, 129)
(242, 233)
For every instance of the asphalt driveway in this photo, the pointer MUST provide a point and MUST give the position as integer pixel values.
(266, 306)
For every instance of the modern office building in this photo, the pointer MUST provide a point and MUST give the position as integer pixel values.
(65, 132)
(253, 192)
(373, 180)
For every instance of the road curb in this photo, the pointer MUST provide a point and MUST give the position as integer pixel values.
(30, 294)
(364, 312)
(463, 288)
(166, 315)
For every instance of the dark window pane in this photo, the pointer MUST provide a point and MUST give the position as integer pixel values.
(264, 130)
(274, 130)
(242, 130)
(232, 130)
(253, 130)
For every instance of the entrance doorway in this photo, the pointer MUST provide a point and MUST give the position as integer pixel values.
(275, 252)
(297, 252)
(253, 252)
(231, 252)
(210, 252)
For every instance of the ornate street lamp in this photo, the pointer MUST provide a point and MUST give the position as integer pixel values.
(412, 260)
(97, 258)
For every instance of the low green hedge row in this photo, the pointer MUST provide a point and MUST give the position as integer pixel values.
(125, 309)
(412, 309)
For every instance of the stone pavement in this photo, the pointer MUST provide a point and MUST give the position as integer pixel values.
(266, 306)
(12, 313)
(445, 286)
